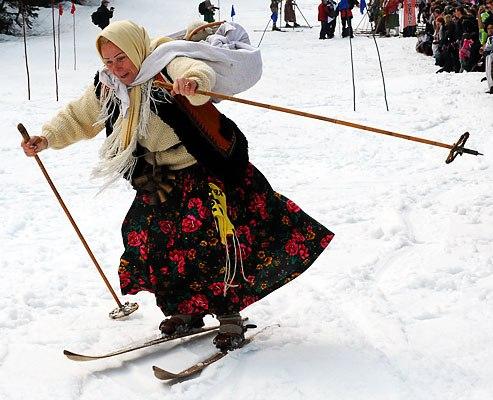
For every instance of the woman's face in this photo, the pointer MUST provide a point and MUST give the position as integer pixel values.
(118, 63)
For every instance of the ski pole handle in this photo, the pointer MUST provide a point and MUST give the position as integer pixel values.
(23, 132)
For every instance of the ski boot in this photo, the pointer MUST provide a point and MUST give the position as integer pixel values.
(181, 323)
(231, 332)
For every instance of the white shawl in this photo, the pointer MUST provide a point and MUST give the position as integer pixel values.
(228, 52)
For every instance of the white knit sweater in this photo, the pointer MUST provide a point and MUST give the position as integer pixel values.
(78, 120)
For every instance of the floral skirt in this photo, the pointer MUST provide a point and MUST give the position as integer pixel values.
(174, 250)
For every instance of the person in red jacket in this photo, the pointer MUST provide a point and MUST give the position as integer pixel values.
(326, 16)
(323, 18)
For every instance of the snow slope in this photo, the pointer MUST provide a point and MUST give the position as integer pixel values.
(399, 306)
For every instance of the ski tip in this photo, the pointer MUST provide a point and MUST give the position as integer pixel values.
(76, 357)
(163, 374)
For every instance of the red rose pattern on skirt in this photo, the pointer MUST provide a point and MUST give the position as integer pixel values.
(174, 250)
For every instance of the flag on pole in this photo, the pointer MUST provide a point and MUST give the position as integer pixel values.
(362, 6)
(233, 13)
(60, 9)
(72, 9)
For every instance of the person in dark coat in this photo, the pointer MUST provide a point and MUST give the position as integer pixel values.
(326, 16)
(331, 11)
(289, 14)
(323, 17)
(274, 9)
(104, 14)
(448, 48)
(209, 11)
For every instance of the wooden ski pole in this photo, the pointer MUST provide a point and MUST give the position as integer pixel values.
(123, 309)
(455, 149)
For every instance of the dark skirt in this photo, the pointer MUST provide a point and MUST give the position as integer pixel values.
(174, 250)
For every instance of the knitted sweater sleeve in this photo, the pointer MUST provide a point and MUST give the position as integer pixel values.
(200, 72)
(75, 122)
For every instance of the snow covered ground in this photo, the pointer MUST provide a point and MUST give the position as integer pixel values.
(399, 307)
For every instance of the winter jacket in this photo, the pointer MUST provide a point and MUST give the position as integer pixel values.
(104, 16)
(391, 7)
(323, 14)
(347, 4)
(274, 6)
(465, 50)
(289, 15)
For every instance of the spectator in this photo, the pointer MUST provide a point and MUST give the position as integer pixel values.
(327, 18)
(103, 15)
(465, 53)
(448, 48)
(207, 10)
(482, 17)
(391, 12)
(421, 8)
(289, 14)
(459, 14)
(274, 8)
(323, 17)
(438, 36)
(488, 54)
(489, 10)
(344, 8)
(331, 11)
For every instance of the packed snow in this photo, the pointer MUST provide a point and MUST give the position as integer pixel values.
(400, 306)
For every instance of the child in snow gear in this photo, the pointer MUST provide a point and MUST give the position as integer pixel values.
(327, 18)
(208, 243)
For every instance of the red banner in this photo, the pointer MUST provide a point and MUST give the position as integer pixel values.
(409, 13)
(60, 9)
(72, 9)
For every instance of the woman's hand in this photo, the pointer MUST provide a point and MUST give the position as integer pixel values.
(34, 145)
(184, 86)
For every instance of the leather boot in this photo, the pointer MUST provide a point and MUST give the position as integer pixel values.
(181, 323)
(231, 332)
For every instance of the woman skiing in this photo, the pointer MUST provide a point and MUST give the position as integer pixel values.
(205, 236)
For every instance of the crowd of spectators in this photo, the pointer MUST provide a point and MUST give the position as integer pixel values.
(458, 36)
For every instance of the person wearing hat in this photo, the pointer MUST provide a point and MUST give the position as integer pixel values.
(104, 14)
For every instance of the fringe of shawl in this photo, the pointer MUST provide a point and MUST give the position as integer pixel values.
(116, 160)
